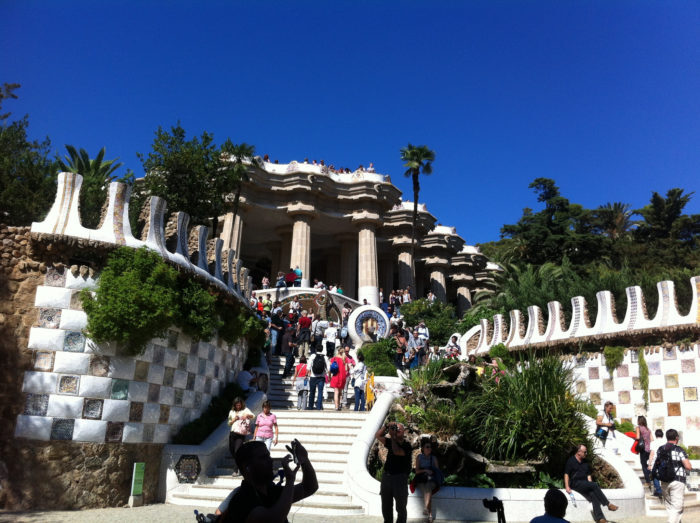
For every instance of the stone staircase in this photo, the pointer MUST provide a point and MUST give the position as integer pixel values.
(655, 506)
(327, 435)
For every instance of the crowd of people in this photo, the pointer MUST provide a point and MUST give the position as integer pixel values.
(332, 168)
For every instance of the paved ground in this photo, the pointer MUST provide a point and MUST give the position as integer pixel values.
(178, 514)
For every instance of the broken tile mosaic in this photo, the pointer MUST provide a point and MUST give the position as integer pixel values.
(688, 366)
(690, 393)
(76, 303)
(164, 414)
(55, 277)
(623, 371)
(114, 432)
(168, 377)
(68, 384)
(99, 366)
(148, 432)
(44, 361)
(92, 408)
(153, 393)
(141, 371)
(182, 361)
(158, 354)
(120, 389)
(671, 381)
(674, 409)
(656, 395)
(74, 342)
(593, 373)
(49, 318)
(654, 368)
(136, 411)
(36, 404)
(62, 429)
(178, 396)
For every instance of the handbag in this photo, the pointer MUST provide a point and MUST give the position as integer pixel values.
(601, 433)
(241, 426)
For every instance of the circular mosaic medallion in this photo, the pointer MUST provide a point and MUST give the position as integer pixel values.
(188, 468)
(367, 324)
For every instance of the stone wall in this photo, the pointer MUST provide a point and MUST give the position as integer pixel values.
(76, 416)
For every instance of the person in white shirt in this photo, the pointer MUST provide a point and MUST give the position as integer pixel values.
(330, 337)
(423, 332)
(359, 375)
(653, 448)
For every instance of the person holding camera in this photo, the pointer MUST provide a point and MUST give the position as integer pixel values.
(394, 486)
(258, 499)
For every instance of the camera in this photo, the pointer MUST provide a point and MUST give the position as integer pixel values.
(392, 427)
(496, 505)
(293, 450)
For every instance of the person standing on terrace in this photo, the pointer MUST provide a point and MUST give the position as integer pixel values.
(394, 485)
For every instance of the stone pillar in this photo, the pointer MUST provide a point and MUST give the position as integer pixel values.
(348, 264)
(301, 246)
(464, 299)
(285, 253)
(438, 283)
(232, 233)
(406, 270)
(367, 272)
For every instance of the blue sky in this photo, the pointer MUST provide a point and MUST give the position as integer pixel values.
(601, 96)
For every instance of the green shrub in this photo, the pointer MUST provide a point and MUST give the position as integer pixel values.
(253, 329)
(502, 352)
(135, 300)
(625, 426)
(613, 358)
(196, 431)
(231, 329)
(643, 376)
(439, 318)
(197, 313)
(379, 357)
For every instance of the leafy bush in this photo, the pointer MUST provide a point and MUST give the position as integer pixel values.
(379, 357)
(439, 318)
(643, 376)
(196, 431)
(196, 314)
(134, 301)
(613, 358)
(530, 414)
(502, 352)
(625, 426)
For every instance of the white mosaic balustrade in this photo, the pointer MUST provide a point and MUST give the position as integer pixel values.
(83, 392)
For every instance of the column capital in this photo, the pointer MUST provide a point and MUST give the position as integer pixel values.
(366, 217)
(436, 262)
(300, 210)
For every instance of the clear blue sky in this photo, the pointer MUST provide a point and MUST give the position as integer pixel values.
(602, 96)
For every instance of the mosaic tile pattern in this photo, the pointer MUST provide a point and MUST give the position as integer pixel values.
(55, 277)
(153, 393)
(68, 384)
(114, 432)
(99, 366)
(168, 377)
(636, 384)
(623, 371)
(164, 414)
(593, 372)
(656, 395)
(141, 372)
(674, 409)
(149, 430)
(182, 361)
(624, 396)
(654, 368)
(671, 381)
(92, 408)
(62, 429)
(608, 385)
(74, 342)
(36, 404)
(120, 389)
(75, 302)
(687, 366)
(158, 354)
(670, 354)
(690, 394)
(44, 361)
(49, 318)
(135, 411)
(190, 381)
(178, 397)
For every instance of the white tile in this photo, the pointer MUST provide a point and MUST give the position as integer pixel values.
(95, 387)
(115, 410)
(39, 382)
(33, 427)
(52, 297)
(177, 416)
(167, 395)
(133, 433)
(188, 399)
(71, 362)
(61, 406)
(138, 391)
(46, 339)
(161, 434)
(155, 374)
(89, 430)
(192, 363)
(151, 413)
(122, 368)
(78, 282)
(180, 379)
(73, 320)
(170, 358)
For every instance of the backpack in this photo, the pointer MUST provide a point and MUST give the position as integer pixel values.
(334, 367)
(319, 365)
(663, 469)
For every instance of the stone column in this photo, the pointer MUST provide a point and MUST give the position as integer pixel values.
(232, 233)
(301, 246)
(367, 272)
(348, 264)
(438, 283)
(464, 299)
(406, 269)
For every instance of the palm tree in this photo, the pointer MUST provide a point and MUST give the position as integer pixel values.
(240, 157)
(97, 174)
(615, 219)
(417, 159)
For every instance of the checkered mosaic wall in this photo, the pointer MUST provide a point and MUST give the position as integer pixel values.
(674, 377)
(80, 391)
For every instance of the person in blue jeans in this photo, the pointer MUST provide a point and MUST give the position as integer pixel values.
(319, 367)
(359, 375)
(658, 442)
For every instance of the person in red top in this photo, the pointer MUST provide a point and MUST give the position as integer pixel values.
(338, 380)
(304, 333)
(290, 277)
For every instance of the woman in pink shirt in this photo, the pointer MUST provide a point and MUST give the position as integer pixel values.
(263, 426)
